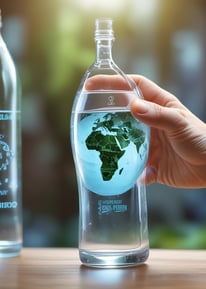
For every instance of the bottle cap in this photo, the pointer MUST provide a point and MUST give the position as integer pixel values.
(104, 29)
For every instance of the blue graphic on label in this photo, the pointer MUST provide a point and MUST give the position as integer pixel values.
(111, 206)
(5, 157)
(7, 154)
(3, 192)
(8, 205)
(6, 116)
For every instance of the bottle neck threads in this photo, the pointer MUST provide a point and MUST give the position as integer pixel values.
(104, 30)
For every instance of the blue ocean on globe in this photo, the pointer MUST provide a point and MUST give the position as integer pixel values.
(112, 151)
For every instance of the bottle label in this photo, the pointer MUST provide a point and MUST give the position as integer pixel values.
(6, 116)
(111, 206)
(8, 160)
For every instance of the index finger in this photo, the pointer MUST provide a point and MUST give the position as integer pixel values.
(151, 91)
(109, 82)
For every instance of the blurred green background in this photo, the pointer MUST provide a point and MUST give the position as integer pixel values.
(51, 42)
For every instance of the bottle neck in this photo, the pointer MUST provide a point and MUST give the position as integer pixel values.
(104, 50)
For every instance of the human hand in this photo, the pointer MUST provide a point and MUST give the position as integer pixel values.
(177, 155)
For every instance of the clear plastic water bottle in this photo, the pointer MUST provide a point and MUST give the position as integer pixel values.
(10, 156)
(110, 150)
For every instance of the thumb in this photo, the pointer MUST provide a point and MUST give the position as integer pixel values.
(155, 115)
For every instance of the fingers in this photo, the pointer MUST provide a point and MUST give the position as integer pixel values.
(149, 89)
(157, 116)
(159, 108)
(153, 93)
(107, 82)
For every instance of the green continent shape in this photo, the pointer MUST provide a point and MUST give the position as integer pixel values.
(110, 137)
(110, 153)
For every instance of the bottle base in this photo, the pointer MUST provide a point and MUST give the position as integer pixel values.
(9, 249)
(113, 259)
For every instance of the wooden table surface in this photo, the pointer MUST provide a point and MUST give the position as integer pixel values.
(61, 268)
